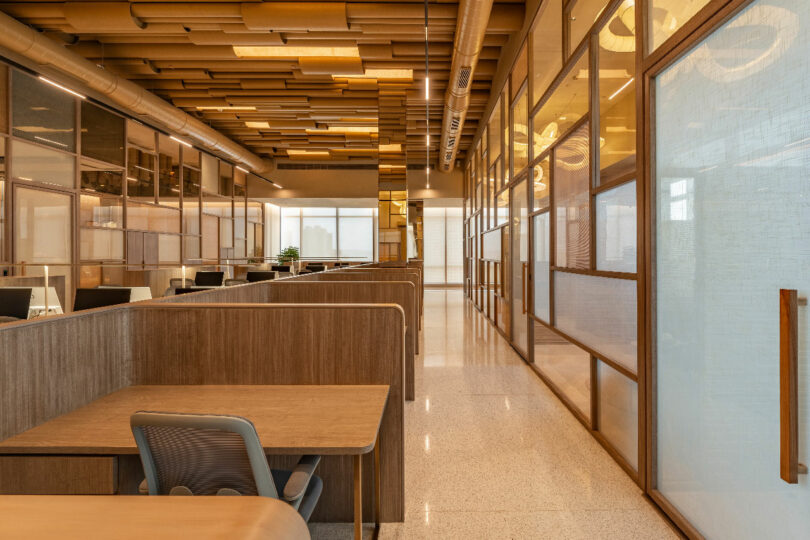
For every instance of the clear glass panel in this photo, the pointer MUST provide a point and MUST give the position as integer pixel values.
(572, 201)
(435, 247)
(42, 113)
(542, 261)
(617, 94)
(566, 365)
(356, 236)
(732, 227)
(618, 412)
(319, 237)
(495, 132)
(567, 104)
(168, 169)
(667, 16)
(547, 44)
(520, 266)
(598, 312)
(210, 173)
(101, 178)
(101, 245)
(35, 163)
(140, 135)
(581, 18)
(454, 230)
(616, 229)
(43, 226)
(520, 127)
(140, 174)
(169, 248)
(541, 183)
(101, 212)
(102, 134)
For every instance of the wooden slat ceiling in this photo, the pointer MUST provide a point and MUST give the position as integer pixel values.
(283, 106)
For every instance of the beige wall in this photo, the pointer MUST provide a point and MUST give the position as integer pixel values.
(352, 183)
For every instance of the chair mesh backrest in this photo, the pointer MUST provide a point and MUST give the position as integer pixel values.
(203, 460)
(200, 457)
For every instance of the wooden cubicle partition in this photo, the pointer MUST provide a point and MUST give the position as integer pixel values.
(289, 344)
(401, 293)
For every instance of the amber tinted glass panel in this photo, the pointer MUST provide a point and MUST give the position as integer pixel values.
(519, 72)
(507, 171)
(140, 135)
(546, 47)
(43, 113)
(665, 17)
(503, 207)
(564, 107)
(102, 134)
(102, 179)
(581, 18)
(520, 130)
(225, 179)
(140, 174)
(541, 175)
(617, 103)
(168, 168)
(495, 132)
(572, 200)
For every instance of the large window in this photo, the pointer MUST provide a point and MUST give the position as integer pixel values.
(329, 232)
(444, 256)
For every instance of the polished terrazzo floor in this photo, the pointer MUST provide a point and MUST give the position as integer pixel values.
(491, 453)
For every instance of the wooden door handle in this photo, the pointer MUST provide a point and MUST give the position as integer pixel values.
(789, 466)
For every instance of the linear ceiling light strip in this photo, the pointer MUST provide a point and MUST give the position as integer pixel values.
(427, 103)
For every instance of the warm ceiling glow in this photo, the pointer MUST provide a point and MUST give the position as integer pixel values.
(227, 108)
(307, 153)
(390, 148)
(344, 129)
(283, 51)
(406, 74)
(257, 125)
(385, 166)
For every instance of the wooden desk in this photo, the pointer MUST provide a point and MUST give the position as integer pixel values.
(294, 419)
(43, 517)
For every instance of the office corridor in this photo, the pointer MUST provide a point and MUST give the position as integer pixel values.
(490, 452)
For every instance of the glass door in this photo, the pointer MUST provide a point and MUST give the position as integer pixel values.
(520, 267)
(732, 268)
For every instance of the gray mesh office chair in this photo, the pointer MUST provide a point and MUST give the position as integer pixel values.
(206, 454)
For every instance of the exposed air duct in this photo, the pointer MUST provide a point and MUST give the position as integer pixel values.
(33, 45)
(473, 16)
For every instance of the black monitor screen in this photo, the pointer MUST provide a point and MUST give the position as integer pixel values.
(280, 268)
(209, 279)
(254, 276)
(15, 303)
(94, 298)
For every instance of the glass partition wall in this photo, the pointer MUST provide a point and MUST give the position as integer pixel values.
(88, 187)
(551, 215)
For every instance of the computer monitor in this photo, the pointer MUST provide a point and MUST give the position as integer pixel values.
(316, 267)
(258, 275)
(209, 279)
(14, 303)
(280, 268)
(94, 298)
(186, 290)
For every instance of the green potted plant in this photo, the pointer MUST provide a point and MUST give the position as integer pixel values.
(288, 255)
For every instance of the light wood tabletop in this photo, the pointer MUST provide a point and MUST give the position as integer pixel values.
(294, 419)
(119, 517)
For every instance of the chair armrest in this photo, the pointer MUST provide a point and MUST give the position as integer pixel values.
(296, 486)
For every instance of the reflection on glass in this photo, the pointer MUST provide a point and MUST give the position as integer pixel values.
(547, 47)
(42, 113)
(572, 200)
(168, 168)
(618, 411)
(503, 207)
(616, 229)
(520, 128)
(567, 104)
(667, 16)
(541, 173)
(495, 132)
(617, 94)
(101, 212)
(140, 174)
(102, 134)
(566, 365)
(581, 18)
(38, 164)
(542, 261)
(191, 184)
(210, 173)
(140, 135)
(191, 157)
(507, 171)
(101, 178)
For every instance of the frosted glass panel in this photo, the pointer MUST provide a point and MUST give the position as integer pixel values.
(356, 237)
(599, 312)
(454, 230)
(492, 245)
(434, 236)
(101, 245)
(541, 267)
(319, 237)
(572, 200)
(42, 226)
(618, 412)
(290, 228)
(568, 367)
(35, 163)
(616, 229)
(169, 248)
(732, 189)
(210, 173)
